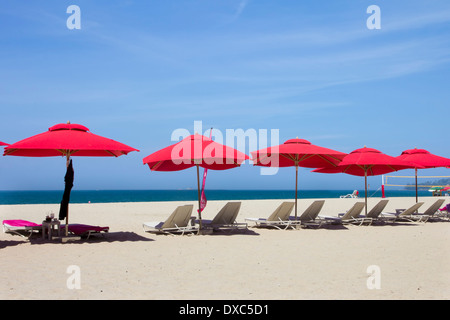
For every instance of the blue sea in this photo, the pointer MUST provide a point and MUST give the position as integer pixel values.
(106, 196)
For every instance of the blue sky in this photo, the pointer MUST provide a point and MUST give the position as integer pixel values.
(138, 70)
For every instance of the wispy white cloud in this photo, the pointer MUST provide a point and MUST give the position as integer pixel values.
(240, 9)
(416, 21)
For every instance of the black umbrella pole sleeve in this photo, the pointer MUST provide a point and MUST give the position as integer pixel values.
(68, 179)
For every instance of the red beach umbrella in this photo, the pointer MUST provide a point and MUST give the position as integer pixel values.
(67, 140)
(367, 162)
(298, 153)
(3, 144)
(195, 151)
(423, 159)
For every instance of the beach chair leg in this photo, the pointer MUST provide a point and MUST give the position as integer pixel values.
(288, 226)
(180, 229)
(28, 236)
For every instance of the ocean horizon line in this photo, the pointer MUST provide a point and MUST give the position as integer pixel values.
(183, 189)
(157, 195)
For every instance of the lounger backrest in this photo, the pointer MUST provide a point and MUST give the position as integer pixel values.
(411, 209)
(179, 218)
(376, 211)
(228, 214)
(312, 211)
(434, 207)
(282, 212)
(354, 211)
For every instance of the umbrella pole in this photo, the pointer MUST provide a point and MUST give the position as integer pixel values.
(199, 207)
(67, 215)
(296, 184)
(365, 187)
(417, 197)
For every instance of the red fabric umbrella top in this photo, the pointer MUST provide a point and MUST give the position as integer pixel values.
(368, 160)
(424, 159)
(298, 151)
(3, 144)
(193, 150)
(67, 139)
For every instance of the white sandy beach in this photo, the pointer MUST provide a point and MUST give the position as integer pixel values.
(327, 263)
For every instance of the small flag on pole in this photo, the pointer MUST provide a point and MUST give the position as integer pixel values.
(203, 197)
(203, 200)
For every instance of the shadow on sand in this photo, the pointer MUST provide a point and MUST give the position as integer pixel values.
(36, 239)
(11, 243)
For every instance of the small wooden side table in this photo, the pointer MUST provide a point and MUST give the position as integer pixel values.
(49, 226)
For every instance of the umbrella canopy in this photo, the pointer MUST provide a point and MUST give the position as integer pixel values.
(423, 159)
(3, 144)
(436, 188)
(195, 151)
(67, 140)
(367, 162)
(298, 153)
(192, 151)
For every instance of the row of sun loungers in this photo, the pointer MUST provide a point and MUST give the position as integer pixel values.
(311, 217)
(182, 222)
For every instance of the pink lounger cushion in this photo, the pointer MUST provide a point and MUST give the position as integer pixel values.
(84, 228)
(20, 223)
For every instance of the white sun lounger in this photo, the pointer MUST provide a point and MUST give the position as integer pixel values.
(225, 218)
(376, 211)
(404, 215)
(352, 216)
(432, 212)
(354, 194)
(426, 215)
(85, 230)
(310, 217)
(177, 222)
(22, 228)
(278, 219)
